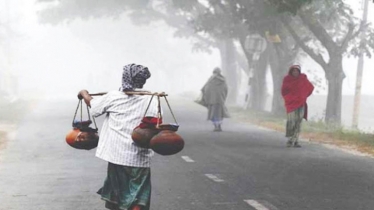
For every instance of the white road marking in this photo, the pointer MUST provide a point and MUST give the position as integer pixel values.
(255, 204)
(214, 177)
(188, 159)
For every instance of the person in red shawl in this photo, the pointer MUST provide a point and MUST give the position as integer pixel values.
(296, 88)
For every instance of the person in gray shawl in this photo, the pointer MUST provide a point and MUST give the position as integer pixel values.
(214, 94)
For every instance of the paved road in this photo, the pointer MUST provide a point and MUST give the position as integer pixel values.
(242, 168)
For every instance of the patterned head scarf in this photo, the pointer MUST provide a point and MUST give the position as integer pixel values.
(134, 76)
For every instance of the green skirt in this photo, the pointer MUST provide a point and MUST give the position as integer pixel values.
(126, 186)
(294, 120)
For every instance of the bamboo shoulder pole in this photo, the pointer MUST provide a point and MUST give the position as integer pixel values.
(162, 94)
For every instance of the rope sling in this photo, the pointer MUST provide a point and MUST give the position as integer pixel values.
(78, 124)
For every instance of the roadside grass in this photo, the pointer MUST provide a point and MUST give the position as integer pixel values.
(312, 130)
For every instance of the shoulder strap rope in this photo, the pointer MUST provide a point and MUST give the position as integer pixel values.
(149, 104)
(76, 111)
(171, 111)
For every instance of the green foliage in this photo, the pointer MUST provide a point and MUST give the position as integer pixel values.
(185, 5)
(291, 6)
(345, 29)
(218, 18)
(223, 18)
(363, 43)
(175, 13)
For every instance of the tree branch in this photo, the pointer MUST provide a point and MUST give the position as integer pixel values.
(318, 58)
(319, 32)
(177, 22)
(349, 36)
(361, 29)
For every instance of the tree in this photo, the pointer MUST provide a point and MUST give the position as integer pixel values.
(176, 14)
(216, 24)
(223, 20)
(332, 24)
(239, 18)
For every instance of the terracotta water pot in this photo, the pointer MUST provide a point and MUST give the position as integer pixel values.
(82, 140)
(167, 142)
(142, 136)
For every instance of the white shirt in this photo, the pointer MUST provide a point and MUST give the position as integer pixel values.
(123, 114)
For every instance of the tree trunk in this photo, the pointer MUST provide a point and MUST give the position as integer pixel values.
(229, 68)
(335, 77)
(258, 83)
(279, 62)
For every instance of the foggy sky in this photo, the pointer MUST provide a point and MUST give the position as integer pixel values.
(65, 58)
(90, 55)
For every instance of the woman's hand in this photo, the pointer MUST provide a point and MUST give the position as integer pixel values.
(83, 94)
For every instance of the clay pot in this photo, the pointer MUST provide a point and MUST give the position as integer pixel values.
(82, 140)
(142, 136)
(167, 142)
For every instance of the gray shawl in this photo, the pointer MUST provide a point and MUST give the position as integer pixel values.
(215, 90)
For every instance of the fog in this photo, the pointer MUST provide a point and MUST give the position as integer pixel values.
(56, 61)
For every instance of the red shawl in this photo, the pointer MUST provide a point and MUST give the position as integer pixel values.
(295, 91)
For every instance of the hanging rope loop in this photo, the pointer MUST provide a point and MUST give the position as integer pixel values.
(83, 125)
(160, 126)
